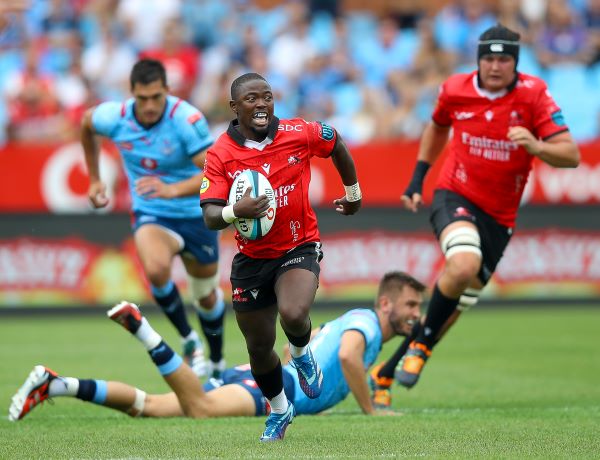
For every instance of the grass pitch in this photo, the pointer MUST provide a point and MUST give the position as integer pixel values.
(512, 383)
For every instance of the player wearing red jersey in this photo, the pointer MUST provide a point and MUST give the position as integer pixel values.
(279, 272)
(501, 120)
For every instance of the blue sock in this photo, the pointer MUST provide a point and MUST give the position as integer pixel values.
(165, 359)
(170, 302)
(211, 322)
(92, 390)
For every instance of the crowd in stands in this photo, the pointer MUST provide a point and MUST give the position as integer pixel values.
(369, 74)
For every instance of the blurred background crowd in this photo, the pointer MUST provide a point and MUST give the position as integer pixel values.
(370, 68)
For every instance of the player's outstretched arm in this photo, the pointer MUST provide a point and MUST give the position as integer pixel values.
(343, 162)
(91, 149)
(559, 151)
(433, 141)
(352, 349)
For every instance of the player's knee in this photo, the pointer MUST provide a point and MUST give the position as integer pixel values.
(294, 318)
(158, 273)
(196, 408)
(203, 291)
(462, 268)
(260, 349)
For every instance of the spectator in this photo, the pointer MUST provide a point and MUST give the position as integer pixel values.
(562, 38)
(34, 111)
(181, 60)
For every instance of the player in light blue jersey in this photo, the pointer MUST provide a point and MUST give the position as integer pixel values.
(163, 142)
(345, 347)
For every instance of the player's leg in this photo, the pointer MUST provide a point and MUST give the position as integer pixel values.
(176, 373)
(461, 245)
(295, 290)
(258, 328)
(43, 383)
(157, 246)
(207, 298)
(295, 287)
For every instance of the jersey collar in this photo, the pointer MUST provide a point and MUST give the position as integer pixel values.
(239, 138)
(498, 94)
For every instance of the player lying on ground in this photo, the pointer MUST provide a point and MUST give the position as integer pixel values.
(345, 347)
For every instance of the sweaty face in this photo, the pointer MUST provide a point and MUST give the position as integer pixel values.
(150, 101)
(254, 108)
(496, 71)
(406, 310)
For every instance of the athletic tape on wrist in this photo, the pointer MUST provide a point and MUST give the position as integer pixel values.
(228, 214)
(353, 192)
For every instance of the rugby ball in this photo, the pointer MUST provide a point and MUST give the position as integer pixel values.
(253, 229)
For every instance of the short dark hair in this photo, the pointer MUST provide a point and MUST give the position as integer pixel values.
(396, 280)
(146, 71)
(239, 81)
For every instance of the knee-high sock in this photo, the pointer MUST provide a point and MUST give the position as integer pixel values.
(440, 309)
(211, 322)
(170, 302)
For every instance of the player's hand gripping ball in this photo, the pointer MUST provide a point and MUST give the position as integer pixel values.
(253, 229)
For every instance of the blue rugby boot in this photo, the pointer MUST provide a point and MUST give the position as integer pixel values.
(276, 424)
(310, 376)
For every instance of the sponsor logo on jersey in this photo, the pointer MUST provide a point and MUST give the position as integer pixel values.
(193, 118)
(204, 185)
(149, 163)
(489, 115)
(293, 160)
(463, 115)
(254, 293)
(298, 128)
(281, 193)
(266, 168)
(488, 148)
(326, 132)
(515, 119)
(558, 118)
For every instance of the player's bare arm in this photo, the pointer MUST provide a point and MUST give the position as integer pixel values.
(343, 162)
(154, 187)
(432, 144)
(559, 151)
(352, 349)
(91, 149)
(247, 207)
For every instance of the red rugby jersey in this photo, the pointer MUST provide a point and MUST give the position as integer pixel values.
(286, 163)
(483, 165)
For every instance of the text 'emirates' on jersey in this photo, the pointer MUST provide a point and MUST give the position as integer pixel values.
(483, 164)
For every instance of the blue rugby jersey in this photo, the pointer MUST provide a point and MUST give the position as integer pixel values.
(165, 150)
(325, 347)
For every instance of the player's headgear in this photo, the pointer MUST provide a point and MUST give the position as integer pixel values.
(499, 40)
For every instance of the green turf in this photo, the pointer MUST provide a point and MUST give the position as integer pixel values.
(513, 383)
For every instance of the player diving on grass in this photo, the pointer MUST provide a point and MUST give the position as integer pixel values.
(345, 348)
